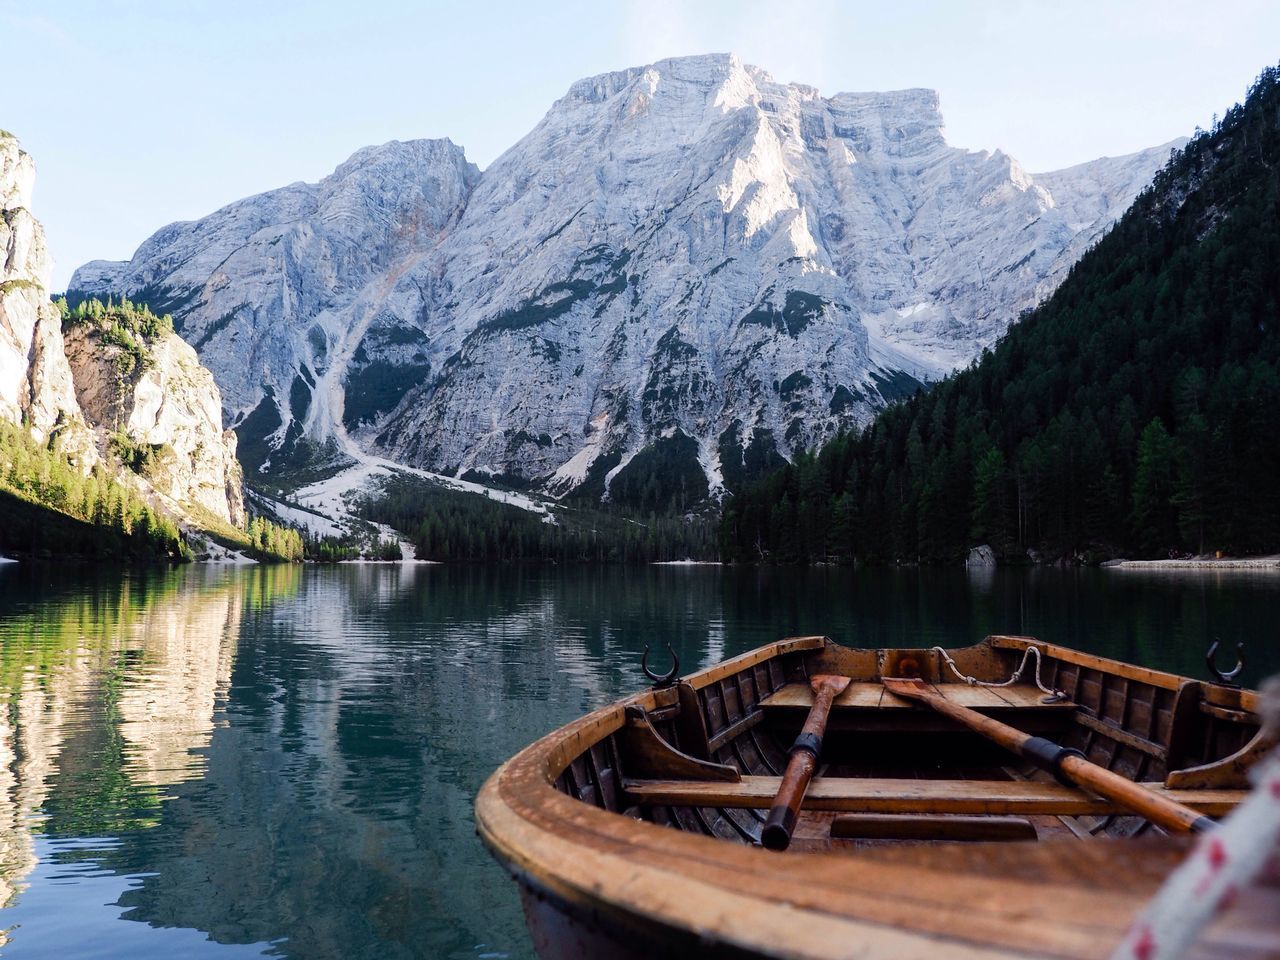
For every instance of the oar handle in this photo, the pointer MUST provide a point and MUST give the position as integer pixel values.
(781, 822)
(1073, 768)
(803, 762)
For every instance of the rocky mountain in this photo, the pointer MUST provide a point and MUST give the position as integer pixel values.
(113, 386)
(686, 259)
(35, 380)
(145, 392)
(1131, 415)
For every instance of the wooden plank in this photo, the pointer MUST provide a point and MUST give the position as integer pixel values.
(731, 732)
(1115, 668)
(691, 724)
(872, 696)
(747, 660)
(648, 754)
(890, 826)
(1233, 697)
(875, 795)
(1232, 771)
(1227, 713)
(1120, 736)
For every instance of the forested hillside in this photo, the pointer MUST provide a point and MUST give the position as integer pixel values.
(52, 506)
(1136, 412)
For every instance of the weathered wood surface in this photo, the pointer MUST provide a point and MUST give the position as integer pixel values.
(1158, 808)
(872, 696)
(728, 668)
(878, 795)
(644, 883)
(1229, 772)
(649, 755)
(1116, 668)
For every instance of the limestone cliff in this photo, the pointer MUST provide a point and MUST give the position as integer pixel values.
(159, 408)
(112, 386)
(35, 380)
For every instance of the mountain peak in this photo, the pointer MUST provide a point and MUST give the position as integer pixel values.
(400, 152)
(686, 254)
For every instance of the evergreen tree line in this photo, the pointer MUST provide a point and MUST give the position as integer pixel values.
(1137, 412)
(130, 326)
(331, 549)
(270, 541)
(447, 525)
(42, 480)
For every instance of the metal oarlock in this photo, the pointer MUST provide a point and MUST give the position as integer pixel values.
(661, 680)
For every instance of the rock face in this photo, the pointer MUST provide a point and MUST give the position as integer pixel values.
(35, 380)
(686, 255)
(268, 289)
(79, 386)
(981, 556)
(168, 405)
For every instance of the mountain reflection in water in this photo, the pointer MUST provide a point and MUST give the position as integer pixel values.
(282, 760)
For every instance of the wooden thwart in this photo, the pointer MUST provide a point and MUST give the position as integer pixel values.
(879, 795)
(872, 696)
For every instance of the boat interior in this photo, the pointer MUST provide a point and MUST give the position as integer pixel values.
(706, 754)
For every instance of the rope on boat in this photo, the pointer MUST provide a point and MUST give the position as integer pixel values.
(1051, 696)
(1242, 849)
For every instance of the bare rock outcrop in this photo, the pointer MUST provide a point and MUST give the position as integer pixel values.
(35, 380)
(163, 412)
(104, 392)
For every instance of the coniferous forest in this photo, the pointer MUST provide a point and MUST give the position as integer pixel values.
(1136, 412)
(446, 525)
(51, 508)
(54, 509)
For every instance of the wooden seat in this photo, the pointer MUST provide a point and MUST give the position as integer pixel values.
(875, 795)
(873, 696)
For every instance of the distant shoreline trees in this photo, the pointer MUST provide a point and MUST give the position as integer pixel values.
(1136, 412)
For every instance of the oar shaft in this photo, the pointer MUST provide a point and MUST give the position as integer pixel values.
(781, 822)
(800, 767)
(1159, 810)
(1068, 764)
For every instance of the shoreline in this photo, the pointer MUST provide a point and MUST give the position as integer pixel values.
(1271, 562)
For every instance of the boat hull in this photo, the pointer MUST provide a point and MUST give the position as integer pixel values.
(631, 830)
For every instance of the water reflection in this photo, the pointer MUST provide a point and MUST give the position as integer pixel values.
(282, 760)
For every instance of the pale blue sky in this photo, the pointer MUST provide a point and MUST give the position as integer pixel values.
(141, 112)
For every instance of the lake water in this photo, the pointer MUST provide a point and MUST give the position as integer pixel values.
(281, 760)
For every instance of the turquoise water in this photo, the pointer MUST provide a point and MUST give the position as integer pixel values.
(281, 761)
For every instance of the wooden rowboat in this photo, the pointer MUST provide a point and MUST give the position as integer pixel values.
(634, 831)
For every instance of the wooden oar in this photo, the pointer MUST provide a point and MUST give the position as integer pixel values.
(1065, 763)
(804, 761)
